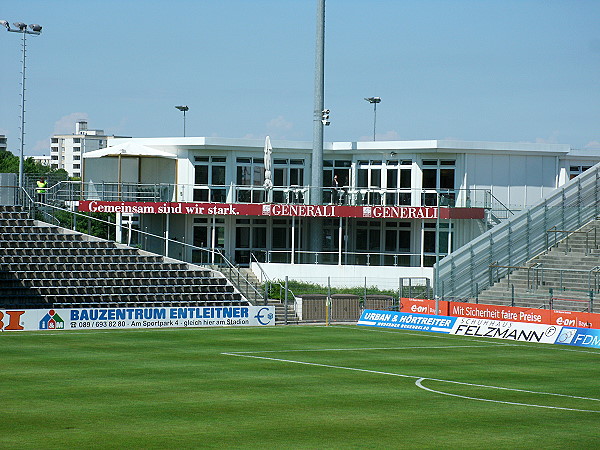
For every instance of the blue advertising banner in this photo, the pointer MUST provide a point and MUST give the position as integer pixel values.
(157, 317)
(406, 321)
(580, 337)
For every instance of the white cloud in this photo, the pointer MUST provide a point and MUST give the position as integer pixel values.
(279, 128)
(552, 139)
(41, 147)
(66, 124)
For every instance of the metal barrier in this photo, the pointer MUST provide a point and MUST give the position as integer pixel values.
(518, 239)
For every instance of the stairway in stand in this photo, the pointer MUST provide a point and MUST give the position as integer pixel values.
(566, 277)
(253, 289)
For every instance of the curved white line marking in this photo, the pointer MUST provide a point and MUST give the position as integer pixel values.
(419, 383)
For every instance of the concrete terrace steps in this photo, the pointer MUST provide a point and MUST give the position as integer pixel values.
(561, 278)
(46, 266)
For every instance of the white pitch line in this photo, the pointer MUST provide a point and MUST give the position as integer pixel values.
(419, 383)
(418, 379)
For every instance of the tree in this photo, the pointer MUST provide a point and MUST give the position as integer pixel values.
(9, 163)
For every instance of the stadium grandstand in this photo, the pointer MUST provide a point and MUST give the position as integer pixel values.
(426, 219)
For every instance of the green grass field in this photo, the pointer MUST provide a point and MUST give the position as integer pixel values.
(293, 387)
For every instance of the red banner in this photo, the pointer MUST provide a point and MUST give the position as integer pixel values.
(574, 319)
(275, 210)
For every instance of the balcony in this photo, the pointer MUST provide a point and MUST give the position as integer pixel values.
(293, 195)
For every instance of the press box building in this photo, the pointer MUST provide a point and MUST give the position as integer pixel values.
(396, 208)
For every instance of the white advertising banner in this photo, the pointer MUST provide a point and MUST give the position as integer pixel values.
(500, 329)
(158, 317)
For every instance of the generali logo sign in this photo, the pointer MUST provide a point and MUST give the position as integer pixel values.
(278, 210)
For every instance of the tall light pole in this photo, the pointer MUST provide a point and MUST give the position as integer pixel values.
(184, 109)
(374, 101)
(35, 30)
(319, 120)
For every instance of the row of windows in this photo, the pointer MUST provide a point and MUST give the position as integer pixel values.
(251, 172)
(394, 238)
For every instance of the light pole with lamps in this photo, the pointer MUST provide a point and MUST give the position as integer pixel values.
(374, 101)
(35, 30)
(183, 109)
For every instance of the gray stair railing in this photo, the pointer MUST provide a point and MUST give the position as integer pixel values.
(234, 272)
(518, 239)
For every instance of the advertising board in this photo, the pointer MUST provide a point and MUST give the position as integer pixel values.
(482, 328)
(501, 329)
(575, 319)
(406, 321)
(579, 337)
(123, 318)
(280, 210)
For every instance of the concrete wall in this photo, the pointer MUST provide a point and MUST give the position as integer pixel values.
(343, 276)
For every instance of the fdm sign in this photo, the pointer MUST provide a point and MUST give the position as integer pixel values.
(106, 318)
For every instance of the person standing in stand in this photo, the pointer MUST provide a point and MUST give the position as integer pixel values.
(42, 184)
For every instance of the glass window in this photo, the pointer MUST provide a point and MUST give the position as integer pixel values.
(242, 237)
(218, 175)
(280, 238)
(201, 175)
(405, 179)
(392, 178)
(429, 178)
(244, 177)
(447, 178)
(362, 178)
(375, 178)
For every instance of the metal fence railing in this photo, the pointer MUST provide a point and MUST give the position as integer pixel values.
(339, 299)
(520, 238)
(70, 191)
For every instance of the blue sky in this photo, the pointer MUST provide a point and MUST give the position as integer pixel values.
(489, 70)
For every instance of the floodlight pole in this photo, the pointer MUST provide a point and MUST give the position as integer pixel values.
(35, 30)
(183, 109)
(374, 101)
(316, 196)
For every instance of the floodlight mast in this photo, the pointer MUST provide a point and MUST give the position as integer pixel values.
(374, 101)
(35, 30)
(183, 108)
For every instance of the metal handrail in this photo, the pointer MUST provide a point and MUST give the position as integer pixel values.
(578, 231)
(300, 194)
(368, 255)
(217, 251)
(519, 238)
(270, 281)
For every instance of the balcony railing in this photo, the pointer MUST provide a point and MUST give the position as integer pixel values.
(357, 196)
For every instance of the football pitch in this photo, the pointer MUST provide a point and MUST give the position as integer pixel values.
(293, 387)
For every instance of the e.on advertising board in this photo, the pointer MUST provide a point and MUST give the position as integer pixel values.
(115, 318)
(496, 312)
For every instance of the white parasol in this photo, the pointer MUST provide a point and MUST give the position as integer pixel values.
(268, 184)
